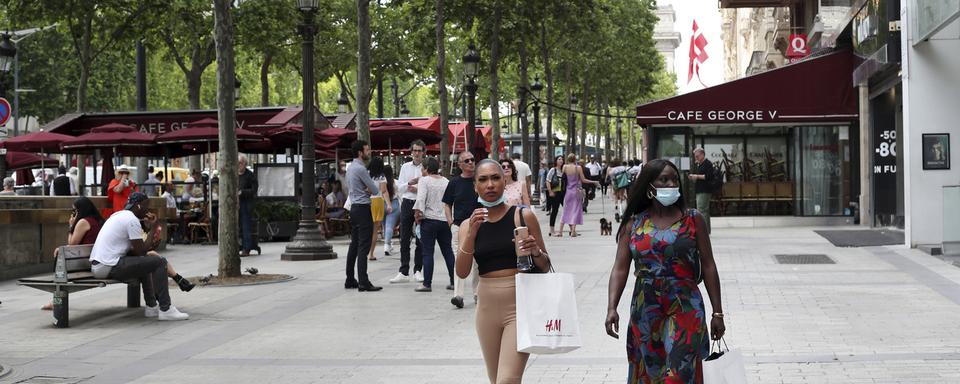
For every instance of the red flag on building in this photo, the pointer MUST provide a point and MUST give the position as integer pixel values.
(698, 53)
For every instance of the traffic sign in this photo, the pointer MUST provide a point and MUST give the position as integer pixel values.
(5, 111)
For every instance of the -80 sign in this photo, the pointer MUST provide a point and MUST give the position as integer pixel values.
(887, 147)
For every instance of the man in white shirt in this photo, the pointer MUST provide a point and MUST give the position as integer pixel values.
(410, 173)
(592, 172)
(523, 170)
(120, 253)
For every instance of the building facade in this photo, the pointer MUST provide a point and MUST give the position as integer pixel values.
(666, 36)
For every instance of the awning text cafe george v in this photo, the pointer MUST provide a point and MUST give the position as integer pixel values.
(785, 139)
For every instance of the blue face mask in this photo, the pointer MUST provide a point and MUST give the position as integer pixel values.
(489, 204)
(667, 196)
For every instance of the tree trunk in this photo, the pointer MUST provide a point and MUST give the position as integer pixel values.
(265, 80)
(228, 248)
(584, 104)
(82, 87)
(442, 86)
(522, 112)
(495, 82)
(548, 77)
(606, 132)
(363, 70)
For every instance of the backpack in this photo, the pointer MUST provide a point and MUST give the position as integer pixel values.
(622, 179)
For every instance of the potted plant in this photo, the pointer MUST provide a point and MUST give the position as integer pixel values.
(276, 219)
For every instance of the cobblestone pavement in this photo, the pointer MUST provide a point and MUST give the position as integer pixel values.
(879, 315)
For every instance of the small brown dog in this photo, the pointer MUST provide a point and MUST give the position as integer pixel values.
(606, 227)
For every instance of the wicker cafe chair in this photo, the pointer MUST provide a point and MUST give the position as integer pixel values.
(201, 227)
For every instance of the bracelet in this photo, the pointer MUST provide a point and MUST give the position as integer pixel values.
(461, 250)
(718, 315)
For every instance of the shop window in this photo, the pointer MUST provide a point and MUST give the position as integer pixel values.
(823, 170)
(727, 153)
(673, 147)
(767, 159)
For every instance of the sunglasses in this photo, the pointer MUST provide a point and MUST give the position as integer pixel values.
(505, 167)
(466, 161)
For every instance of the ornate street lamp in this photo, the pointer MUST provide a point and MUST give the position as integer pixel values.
(342, 103)
(572, 129)
(308, 243)
(404, 112)
(535, 89)
(471, 68)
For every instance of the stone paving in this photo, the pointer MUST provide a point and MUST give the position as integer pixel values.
(879, 315)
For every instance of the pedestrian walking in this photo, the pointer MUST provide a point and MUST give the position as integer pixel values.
(575, 196)
(410, 173)
(434, 223)
(487, 237)
(378, 202)
(393, 212)
(460, 200)
(361, 187)
(517, 192)
(248, 195)
(555, 194)
(702, 179)
(667, 337)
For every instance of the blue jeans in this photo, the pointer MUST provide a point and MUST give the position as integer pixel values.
(390, 222)
(246, 229)
(435, 231)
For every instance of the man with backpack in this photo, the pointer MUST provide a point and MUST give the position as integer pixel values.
(704, 178)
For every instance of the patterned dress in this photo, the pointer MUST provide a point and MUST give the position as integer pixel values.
(668, 338)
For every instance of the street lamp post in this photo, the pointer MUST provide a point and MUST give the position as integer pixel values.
(572, 128)
(342, 102)
(471, 68)
(404, 112)
(7, 54)
(537, 87)
(308, 243)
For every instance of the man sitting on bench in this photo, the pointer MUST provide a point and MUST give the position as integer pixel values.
(120, 253)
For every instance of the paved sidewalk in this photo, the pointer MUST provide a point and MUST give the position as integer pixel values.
(879, 315)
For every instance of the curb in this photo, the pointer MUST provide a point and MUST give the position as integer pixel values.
(292, 278)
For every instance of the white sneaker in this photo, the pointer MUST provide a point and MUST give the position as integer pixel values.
(151, 311)
(173, 314)
(400, 278)
(419, 276)
(388, 250)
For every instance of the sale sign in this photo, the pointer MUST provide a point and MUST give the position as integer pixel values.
(797, 47)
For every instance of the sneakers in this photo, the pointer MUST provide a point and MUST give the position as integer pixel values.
(423, 288)
(457, 301)
(388, 249)
(149, 311)
(400, 278)
(172, 314)
(449, 287)
(418, 275)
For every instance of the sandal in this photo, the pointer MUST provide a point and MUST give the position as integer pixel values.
(372, 258)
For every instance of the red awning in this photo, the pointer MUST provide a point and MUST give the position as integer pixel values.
(814, 90)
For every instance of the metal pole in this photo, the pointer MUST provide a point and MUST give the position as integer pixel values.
(468, 132)
(16, 93)
(396, 100)
(536, 145)
(308, 243)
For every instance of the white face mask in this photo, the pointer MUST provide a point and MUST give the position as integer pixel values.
(667, 196)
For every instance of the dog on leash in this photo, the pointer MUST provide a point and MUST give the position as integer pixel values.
(606, 227)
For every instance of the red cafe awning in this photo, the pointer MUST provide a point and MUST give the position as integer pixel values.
(814, 90)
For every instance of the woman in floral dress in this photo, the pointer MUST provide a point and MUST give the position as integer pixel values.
(667, 337)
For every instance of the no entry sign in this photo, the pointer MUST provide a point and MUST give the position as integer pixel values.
(4, 111)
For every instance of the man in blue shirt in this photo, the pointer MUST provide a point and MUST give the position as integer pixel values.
(461, 198)
(360, 187)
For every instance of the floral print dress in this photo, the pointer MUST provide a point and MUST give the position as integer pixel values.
(667, 340)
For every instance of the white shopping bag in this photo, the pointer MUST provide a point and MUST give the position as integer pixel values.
(547, 320)
(724, 367)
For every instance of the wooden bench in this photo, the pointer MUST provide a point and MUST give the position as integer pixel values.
(72, 274)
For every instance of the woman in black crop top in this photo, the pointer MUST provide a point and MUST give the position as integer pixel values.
(487, 236)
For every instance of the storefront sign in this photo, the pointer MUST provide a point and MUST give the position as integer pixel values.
(885, 153)
(798, 46)
(696, 116)
(160, 127)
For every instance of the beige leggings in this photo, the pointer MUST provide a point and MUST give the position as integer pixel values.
(497, 329)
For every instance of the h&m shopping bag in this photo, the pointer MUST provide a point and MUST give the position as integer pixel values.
(547, 320)
(724, 366)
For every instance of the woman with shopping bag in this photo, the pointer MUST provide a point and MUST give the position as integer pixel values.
(487, 237)
(667, 337)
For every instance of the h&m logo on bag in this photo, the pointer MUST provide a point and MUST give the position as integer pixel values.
(553, 325)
